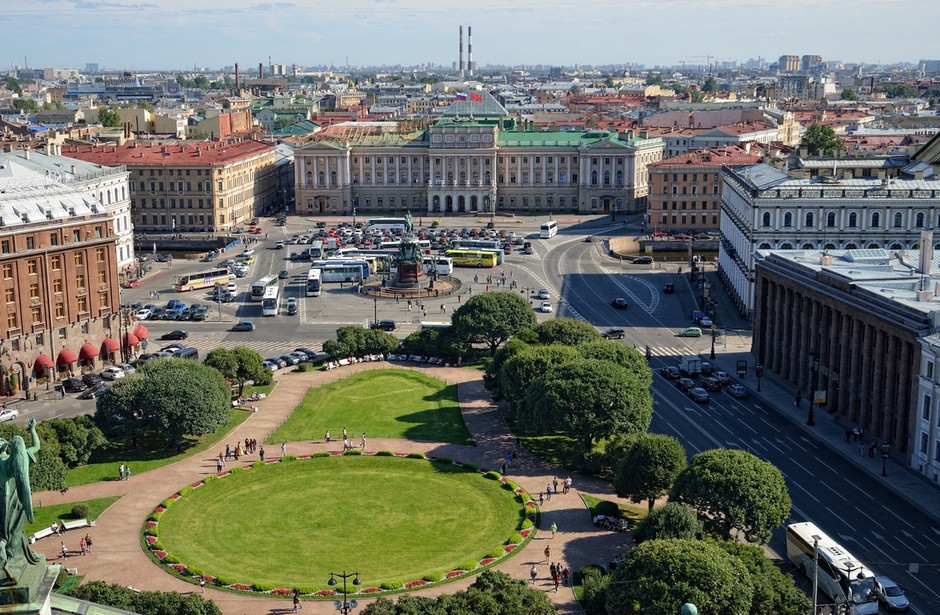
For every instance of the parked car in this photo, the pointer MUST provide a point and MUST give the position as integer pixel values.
(93, 392)
(8, 414)
(690, 332)
(544, 294)
(619, 303)
(311, 353)
(736, 390)
(73, 385)
(269, 365)
(112, 373)
(301, 357)
(546, 307)
(705, 321)
(670, 371)
(614, 334)
(385, 325)
(685, 383)
(178, 334)
(91, 379)
(643, 260)
(669, 288)
(143, 314)
(232, 287)
(890, 594)
(244, 325)
(277, 361)
(289, 359)
(127, 367)
(698, 394)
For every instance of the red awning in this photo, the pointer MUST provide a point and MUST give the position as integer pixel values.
(41, 363)
(109, 345)
(87, 351)
(65, 357)
(141, 332)
(131, 340)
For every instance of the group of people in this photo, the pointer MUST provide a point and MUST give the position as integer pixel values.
(84, 545)
(858, 435)
(250, 446)
(559, 574)
(124, 472)
(553, 488)
(347, 444)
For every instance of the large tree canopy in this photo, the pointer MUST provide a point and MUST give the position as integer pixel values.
(774, 591)
(624, 356)
(735, 491)
(567, 331)
(822, 140)
(491, 378)
(659, 576)
(146, 602)
(649, 468)
(529, 364)
(168, 398)
(355, 341)
(586, 400)
(492, 318)
(671, 520)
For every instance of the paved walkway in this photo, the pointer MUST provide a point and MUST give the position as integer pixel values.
(118, 557)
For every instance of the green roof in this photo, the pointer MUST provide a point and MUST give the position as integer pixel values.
(488, 107)
(303, 127)
(559, 139)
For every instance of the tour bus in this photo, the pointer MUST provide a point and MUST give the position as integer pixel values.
(391, 225)
(315, 251)
(549, 229)
(435, 326)
(367, 269)
(342, 271)
(313, 283)
(472, 258)
(481, 244)
(837, 572)
(443, 265)
(203, 279)
(271, 301)
(259, 288)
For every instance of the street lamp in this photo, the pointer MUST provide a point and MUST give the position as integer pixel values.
(375, 308)
(345, 606)
(885, 449)
(714, 335)
(814, 365)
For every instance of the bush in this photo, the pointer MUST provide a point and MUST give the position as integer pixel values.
(511, 486)
(262, 587)
(321, 454)
(433, 577)
(415, 456)
(305, 367)
(497, 553)
(80, 511)
(445, 460)
(288, 459)
(594, 583)
(608, 509)
(515, 539)
(236, 470)
(352, 452)
(171, 559)
(210, 478)
(493, 475)
(306, 589)
(258, 464)
(152, 531)
(468, 565)
(385, 454)
(225, 581)
(471, 467)
(157, 546)
(155, 516)
(167, 502)
(185, 490)
(389, 585)
(196, 572)
(527, 524)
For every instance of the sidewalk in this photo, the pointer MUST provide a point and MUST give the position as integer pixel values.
(119, 558)
(908, 485)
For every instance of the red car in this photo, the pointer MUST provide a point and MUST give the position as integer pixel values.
(132, 283)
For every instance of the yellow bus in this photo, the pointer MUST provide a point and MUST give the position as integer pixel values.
(472, 258)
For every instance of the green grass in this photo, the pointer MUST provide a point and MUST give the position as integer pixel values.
(43, 516)
(104, 463)
(631, 512)
(291, 524)
(251, 388)
(386, 403)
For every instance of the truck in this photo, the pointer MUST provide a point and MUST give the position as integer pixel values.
(690, 365)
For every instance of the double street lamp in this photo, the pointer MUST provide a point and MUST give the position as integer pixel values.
(814, 365)
(345, 606)
(714, 335)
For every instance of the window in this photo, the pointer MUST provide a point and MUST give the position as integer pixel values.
(5, 244)
(57, 286)
(82, 305)
(923, 443)
(35, 314)
(102, 277)
(30, 243)
(929, 370)
(765, 219)
(78, 259)
(898, 220)
(8, 295)
(99, 255)
(80, 282)
(788, 219)
(11, 321)
(853, 219)
(34, 291)
(76, 235)
(831, 219)
(8, 271)
(919, 221)
(875, 220)
(925, 411)
(809, 219)
(31, 267)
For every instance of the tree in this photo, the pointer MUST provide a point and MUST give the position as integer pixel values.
(821, 140)
(48, 472)
(143, 104)
(492, 318)
(659, 576)
(774, 591)
(525, 367)
(897, 90)
(624, 356)
(671, 520)
(223, 360)
(710, 85)
(650, 467)
(357, 342)
(734, 490)
(146, 602)
(586, 400)
(25, 105)
(434, 343)
(848, 94)
(78, 438)
(12, 84)
(109, 118)
(491, 378)
(249, 367)
(166, 398)
(567, 331)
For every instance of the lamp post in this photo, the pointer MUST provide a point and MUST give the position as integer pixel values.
(815, 573)
(714, 335)
(885, 449)
(375, 309)
(814, 365)
(345, 606)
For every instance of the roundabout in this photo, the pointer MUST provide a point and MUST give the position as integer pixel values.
(400, 522)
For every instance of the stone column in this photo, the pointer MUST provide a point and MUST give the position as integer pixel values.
(854, 380)
(878, 379)
(845, 379)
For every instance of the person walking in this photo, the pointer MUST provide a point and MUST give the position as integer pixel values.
(127, 472)
(533, 573)
(344, 433)
(548, 555)
(65, 551)
(554, 528)
(81, 546)
(799, 399)
(261, 453)
(202, 584)
(283, 449)
(327, 436)
(121, 471)
(88, 542)
(362, 443)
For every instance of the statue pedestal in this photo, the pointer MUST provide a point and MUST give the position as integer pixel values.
(409, 275)
(32, 595)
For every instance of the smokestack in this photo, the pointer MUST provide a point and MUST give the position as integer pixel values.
(460, 61)
(470, 50)
(236, 78)
(260, 70)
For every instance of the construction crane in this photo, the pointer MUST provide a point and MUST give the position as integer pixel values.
(707, 58)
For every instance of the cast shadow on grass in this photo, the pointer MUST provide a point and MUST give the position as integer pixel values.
(436, 425)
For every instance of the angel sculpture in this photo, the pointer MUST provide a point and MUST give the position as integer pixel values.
(15, 554)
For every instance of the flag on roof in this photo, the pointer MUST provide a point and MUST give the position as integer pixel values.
(476, 97)
(460, 96)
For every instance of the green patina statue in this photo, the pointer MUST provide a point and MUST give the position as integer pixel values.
(15, 554)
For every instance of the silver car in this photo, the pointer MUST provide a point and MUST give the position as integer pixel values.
(890, 595)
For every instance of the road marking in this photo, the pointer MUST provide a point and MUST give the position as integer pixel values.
(801, 488)
(869, 518)
(802, 468)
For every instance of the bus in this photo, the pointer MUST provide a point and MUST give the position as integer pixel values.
(442, 264)
(367, 269)
(836, 571)
(271, 301)
(258, 288)
(435, 326)
(203, 279)
(481, 244)
(424, 245)
(472, 258)
(549, 229)
(342, 271)
(392, 225)
(313, 282)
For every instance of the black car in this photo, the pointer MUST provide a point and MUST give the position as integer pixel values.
(73, 385)
(283, 274)
(92, 379)
(669, 288)
(614, 334)
(385, 325)
(685, 383)
(620, 303)
(93, 392)
(321, 224)
(179, 334)
(643, 260)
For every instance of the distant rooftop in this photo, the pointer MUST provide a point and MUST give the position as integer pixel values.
(193, 153)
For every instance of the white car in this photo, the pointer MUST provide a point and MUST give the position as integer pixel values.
(705, 321)
(112, 373)
(546, 306)
(232, 287)
(143, 314)
(8, 414)
(246, 253)
(127, 368)
(543, 294)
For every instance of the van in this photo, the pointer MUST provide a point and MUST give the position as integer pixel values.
(690, 332)
(187, 352)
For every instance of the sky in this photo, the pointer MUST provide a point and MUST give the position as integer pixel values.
(179, 34)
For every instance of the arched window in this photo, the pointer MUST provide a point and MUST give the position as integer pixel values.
(606, 178)
(853, 219)
(309, 177)
(831, 219)
(810, 219)
(875, 219)
(788, 219)
(873, 246)
(919, 220)
(765, 219)
(764, 246)
(808, 246)
(850, 246)
(898, 220)
(786, 246)
(829, 246)
(896, 246)
(332, 178)
(321, 178)
(619, 178)
(593, 178)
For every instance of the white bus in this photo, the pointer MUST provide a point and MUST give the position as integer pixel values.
(836, 571)
(392, 225)
(549, 229)
(271, 302)
(202, 279)
(443, 265)
(313, 282)
(261, 286)
(342, 271)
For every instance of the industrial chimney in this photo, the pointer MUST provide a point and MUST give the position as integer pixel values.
(236, 79)
(470, 50)
(260, 70)
(460, 60)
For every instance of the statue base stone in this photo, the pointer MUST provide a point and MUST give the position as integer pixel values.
(31, 595)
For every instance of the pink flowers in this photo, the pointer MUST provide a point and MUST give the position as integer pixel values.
(370, 590)
(509, 548)
(525, 533)
(160, 509)
(486, 561)
(175, 496)
(241, 587)
(179, 567)
(151, 540)
(280, 591)
(417, 583)
(151, 525)
(455, 573)
(160, 554)
(196, 484)
(326, 592)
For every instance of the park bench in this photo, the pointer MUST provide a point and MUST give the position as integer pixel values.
(74, 525)
(47, 531)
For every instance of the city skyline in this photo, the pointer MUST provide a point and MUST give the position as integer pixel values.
(172, 34)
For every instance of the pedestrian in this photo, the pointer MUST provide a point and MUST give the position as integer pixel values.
(397, 299)
(871, 449)
(567, 484)
(127, 472)
(848, 434)
(855, 434)
(327, 436)
(533, 573)
(228, 451)
(554, 528)
(565, 575)
(548, 555)
(121, 471)
(62, 390)
(81, 546)
(65, 551)
(556, 579)
(443, 309)
(362, 444)
(799, 399)
(297, 603)
(861, 448)
(218, 466)
(344, 433)
(555, 484)
(202, 584)
(541, 499)
(548, 492)
(261, 454)
(284, 449)
(88, 542)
